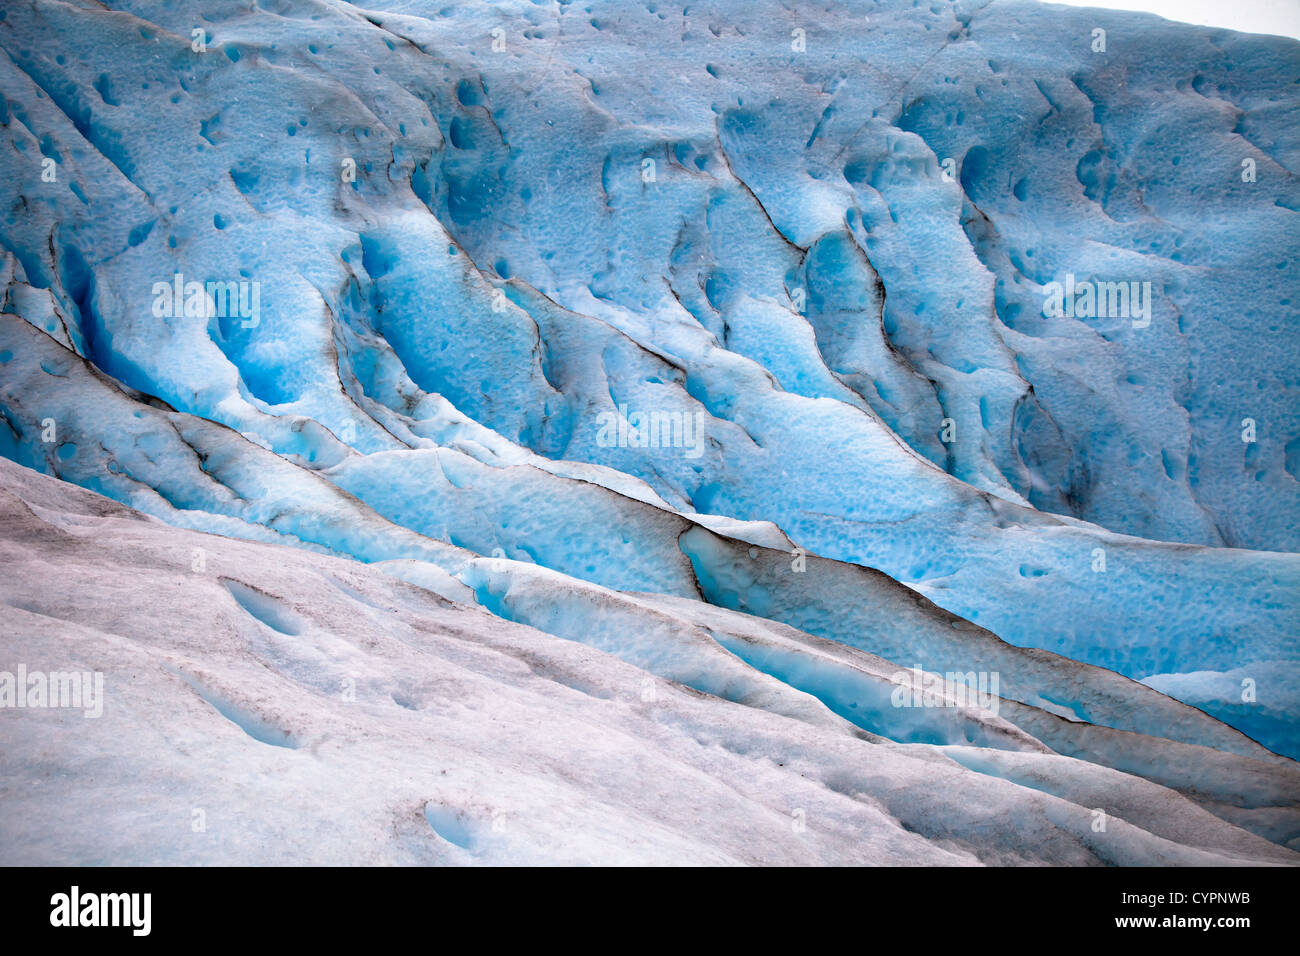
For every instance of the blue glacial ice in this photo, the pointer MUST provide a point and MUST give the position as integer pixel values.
(711, 340)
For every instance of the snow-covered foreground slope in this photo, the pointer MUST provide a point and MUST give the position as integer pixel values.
(265, 704)
(696, 352)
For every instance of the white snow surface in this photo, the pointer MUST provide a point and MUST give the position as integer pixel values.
(317, 710)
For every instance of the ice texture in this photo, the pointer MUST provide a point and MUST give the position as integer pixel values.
(674, 377)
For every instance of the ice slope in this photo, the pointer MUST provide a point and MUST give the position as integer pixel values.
(278, 706)
(890, 618)
(737, 212)
(192, 472)
(200, 475)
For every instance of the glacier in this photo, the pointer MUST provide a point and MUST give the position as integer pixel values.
(625, 402)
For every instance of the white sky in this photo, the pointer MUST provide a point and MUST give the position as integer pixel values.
(1281, 17)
